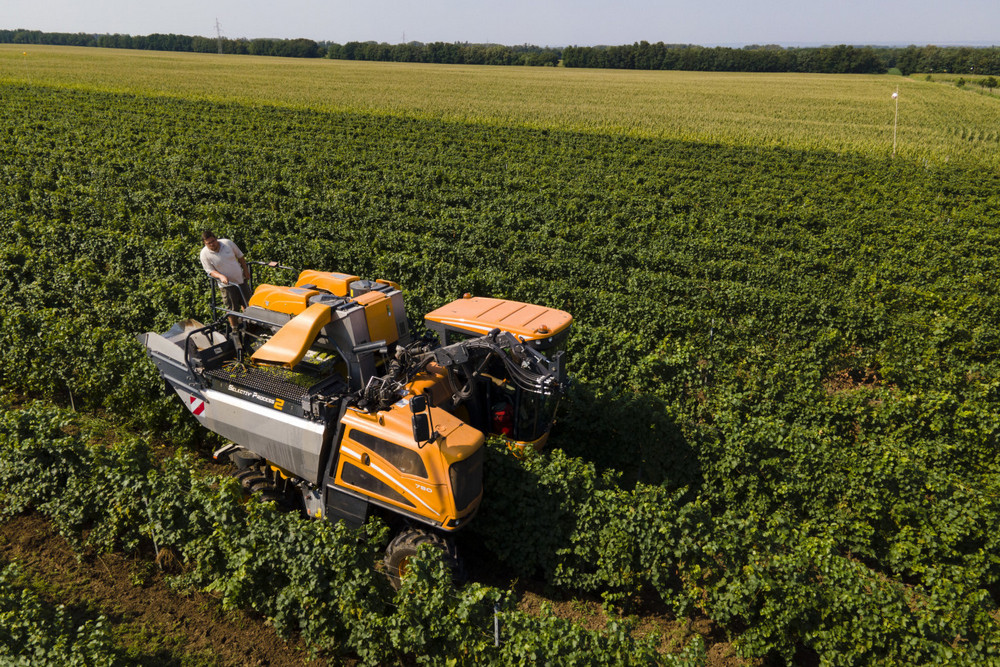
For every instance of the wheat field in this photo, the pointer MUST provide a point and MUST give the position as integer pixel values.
(841, 113)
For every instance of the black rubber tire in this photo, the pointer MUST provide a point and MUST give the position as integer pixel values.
(404, 546)
(261, 485)
(240, 474)
(268, 495)
(254, 482)
(249, 478)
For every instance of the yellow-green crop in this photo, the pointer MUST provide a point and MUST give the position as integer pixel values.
(844, 113)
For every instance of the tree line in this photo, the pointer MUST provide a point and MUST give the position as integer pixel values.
(841, 59)
(290, 48)
(414, 52)
(457, 53)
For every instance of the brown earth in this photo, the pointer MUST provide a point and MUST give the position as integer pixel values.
(152, 624)
(155, 625)
(650, 617)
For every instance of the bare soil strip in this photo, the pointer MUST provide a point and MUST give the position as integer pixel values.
(153, 624)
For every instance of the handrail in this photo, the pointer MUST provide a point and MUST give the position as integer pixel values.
(187, 348)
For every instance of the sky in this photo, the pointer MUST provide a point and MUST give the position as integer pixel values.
(538, 22)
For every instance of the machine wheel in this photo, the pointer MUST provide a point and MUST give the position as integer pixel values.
(404, 547)
(254, 481)
(243, 460)
(248, 477)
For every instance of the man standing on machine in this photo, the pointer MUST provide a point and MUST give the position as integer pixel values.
(223, 260)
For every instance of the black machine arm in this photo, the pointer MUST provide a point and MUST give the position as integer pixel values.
(526, 367)
(465, 361)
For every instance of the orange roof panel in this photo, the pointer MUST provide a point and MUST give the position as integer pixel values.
(482, 315)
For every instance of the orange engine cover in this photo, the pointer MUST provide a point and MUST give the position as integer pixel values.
(289, 300)
(338, 284)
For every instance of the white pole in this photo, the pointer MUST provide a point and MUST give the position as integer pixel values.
(895, 122)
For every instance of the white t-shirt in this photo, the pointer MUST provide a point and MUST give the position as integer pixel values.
(226, 261)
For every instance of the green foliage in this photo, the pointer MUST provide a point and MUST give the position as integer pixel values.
(33, 632)
(557, 641)
(583, 531)
(306, 577)
(80, 487)
(787, 387)
(441, 624)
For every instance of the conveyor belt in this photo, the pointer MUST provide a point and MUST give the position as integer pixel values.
(272, 381)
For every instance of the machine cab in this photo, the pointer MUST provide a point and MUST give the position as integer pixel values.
(499, 405)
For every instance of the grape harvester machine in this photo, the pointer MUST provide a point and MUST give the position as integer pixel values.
(333, 406)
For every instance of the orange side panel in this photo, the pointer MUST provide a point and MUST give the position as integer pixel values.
(378, 315)
(288, 300)
(292, 341)
(337, 283)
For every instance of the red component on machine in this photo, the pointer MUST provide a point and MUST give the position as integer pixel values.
(503, 419)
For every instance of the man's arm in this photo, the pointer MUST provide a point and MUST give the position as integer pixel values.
(238, 254)
(246, 269)
(220, 277)
(210, 270)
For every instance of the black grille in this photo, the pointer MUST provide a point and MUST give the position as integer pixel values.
(272, 381)
(467, 479)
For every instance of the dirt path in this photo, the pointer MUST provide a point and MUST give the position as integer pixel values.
(152, 624)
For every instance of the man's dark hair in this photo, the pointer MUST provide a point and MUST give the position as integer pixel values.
(208, 234)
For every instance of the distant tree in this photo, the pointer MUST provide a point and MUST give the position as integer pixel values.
(204, 45)
(549, 58)
(159, 42)
(931, 60)
(297, 48)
